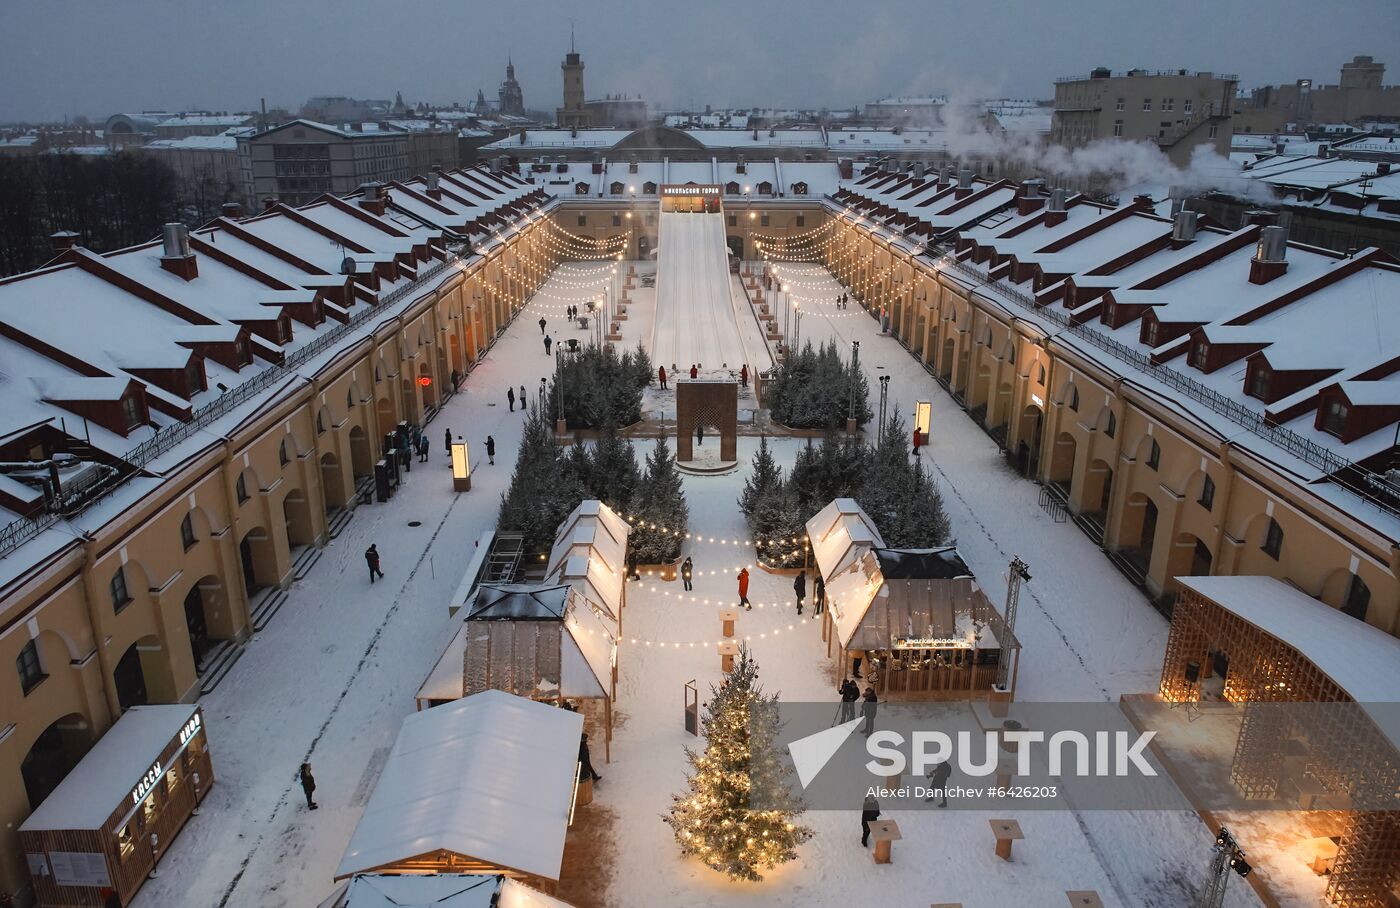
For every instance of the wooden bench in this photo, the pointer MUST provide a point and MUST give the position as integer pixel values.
(884, 832)
(1006, 832)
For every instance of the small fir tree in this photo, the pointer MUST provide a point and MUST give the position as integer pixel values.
(737, 816)
(615, 475)
(764, 476)
(543, 489)
(661, 517)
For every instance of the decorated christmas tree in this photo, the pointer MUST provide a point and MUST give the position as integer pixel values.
(738, 816)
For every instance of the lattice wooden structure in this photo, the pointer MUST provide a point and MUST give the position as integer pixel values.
(1287, 697)
(707, 402)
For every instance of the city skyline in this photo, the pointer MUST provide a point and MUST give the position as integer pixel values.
(677, 57)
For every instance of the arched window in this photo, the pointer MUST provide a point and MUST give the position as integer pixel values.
(1040, 374)
(240, 488)
(1074, 398)
(1273, 539)
(649, 188)
(731, 188)
(581, 188)
(282, 457)
(117, 587)
(1154, 457)
(765, 188)
(615, 187)
(1207, 499)
(1111, 427)
(31, 671)
(1358, 598)
(187, 533)
(320, 423)
(349, 398)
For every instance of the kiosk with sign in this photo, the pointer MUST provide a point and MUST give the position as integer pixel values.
(923, 419)
(96, 838)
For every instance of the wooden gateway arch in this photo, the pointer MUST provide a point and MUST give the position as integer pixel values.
(708, 403)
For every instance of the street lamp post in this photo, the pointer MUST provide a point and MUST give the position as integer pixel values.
(851, 407)
(560, 426)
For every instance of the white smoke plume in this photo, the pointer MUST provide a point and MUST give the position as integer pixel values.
(1114, 164)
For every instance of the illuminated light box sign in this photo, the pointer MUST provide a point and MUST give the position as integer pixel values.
(690, 190)
(932, 643)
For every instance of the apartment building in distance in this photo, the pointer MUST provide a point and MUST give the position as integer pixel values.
(300, 161)
(1360, 94)
(1175, 109)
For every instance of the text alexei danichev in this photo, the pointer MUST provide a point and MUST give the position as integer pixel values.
(959, 792)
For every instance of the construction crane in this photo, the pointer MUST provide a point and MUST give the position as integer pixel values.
(1017, 574)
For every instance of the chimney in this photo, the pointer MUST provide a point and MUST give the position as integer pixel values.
(372, 197)
(63, 240)
(175, 252)
(1143, 202)
(434, 190)
(1031, 199)
(1278, 147)
(357, 127)
(269, 203)
(964, 183)
(1270, 257)
(1183, 228)
(1382, 168)
(1056, 213)
(1178, 197)
(945, 178)
(1257, 216)
(522, 135)
(597, 162)
(632, 164)
(847, 168)
(740, 166)
(920, 168)
(231, 210)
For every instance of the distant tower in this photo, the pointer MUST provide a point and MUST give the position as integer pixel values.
(481, 106)
(511, 97)
(573, 114)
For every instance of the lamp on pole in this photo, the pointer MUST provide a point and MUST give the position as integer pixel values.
(560, 426)
(851, 407)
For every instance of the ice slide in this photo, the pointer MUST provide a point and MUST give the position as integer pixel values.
(695, 310)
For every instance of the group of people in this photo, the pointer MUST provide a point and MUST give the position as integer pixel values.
(841, 301)
(661, 378)
(850, 692)
(490, 445)
(799, 587)
(510, 398)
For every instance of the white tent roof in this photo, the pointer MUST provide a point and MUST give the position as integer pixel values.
(489, 777)
(432, 890)
(590, 553)
(1362, 660)
(840, 533)
(586, 654)
(106, 775)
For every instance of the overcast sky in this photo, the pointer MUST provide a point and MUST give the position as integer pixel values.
(96, 57)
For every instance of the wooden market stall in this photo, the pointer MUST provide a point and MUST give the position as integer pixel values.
(1319, 728)
(921, 624)
(95, 839)
(590, 553)
(482, 785)
(440, 890)
(548, 643)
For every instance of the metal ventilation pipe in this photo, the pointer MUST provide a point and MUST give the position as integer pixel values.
(1184, 227)
(175, 241)
(1273, 245)
(1057, 198)
(964, 178)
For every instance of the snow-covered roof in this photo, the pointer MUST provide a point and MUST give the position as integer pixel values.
(108, 773)
(437, 890)
(840, 533)
(1362, 660)
(489, 777)
(223, 142)
(223, 120)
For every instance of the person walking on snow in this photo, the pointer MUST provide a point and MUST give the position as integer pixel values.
(308, 785)
(938, 781)
(818, 594)
(700, 435)
(547, 341)
(372, 559)
(849, 695)
(694, 372)
(744, 375)
(917, 437)
(867, 709)
(799, 586)
(523, 398)
(869, 813)
(586, 770)
(687, 569)
(423, 449)
(744, 588)
(490, 450)
(447, 442)
(542, 323)
(661, 376)
(510, 396)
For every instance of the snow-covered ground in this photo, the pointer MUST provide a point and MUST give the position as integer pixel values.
(695, 314)
(333, 675)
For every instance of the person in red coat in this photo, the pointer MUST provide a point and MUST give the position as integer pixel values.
(661, 375)
(744, 375)
(744, 588)
(916, 441)
(694, 372)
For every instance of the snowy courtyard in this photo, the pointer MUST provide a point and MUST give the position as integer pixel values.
(332, 677)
